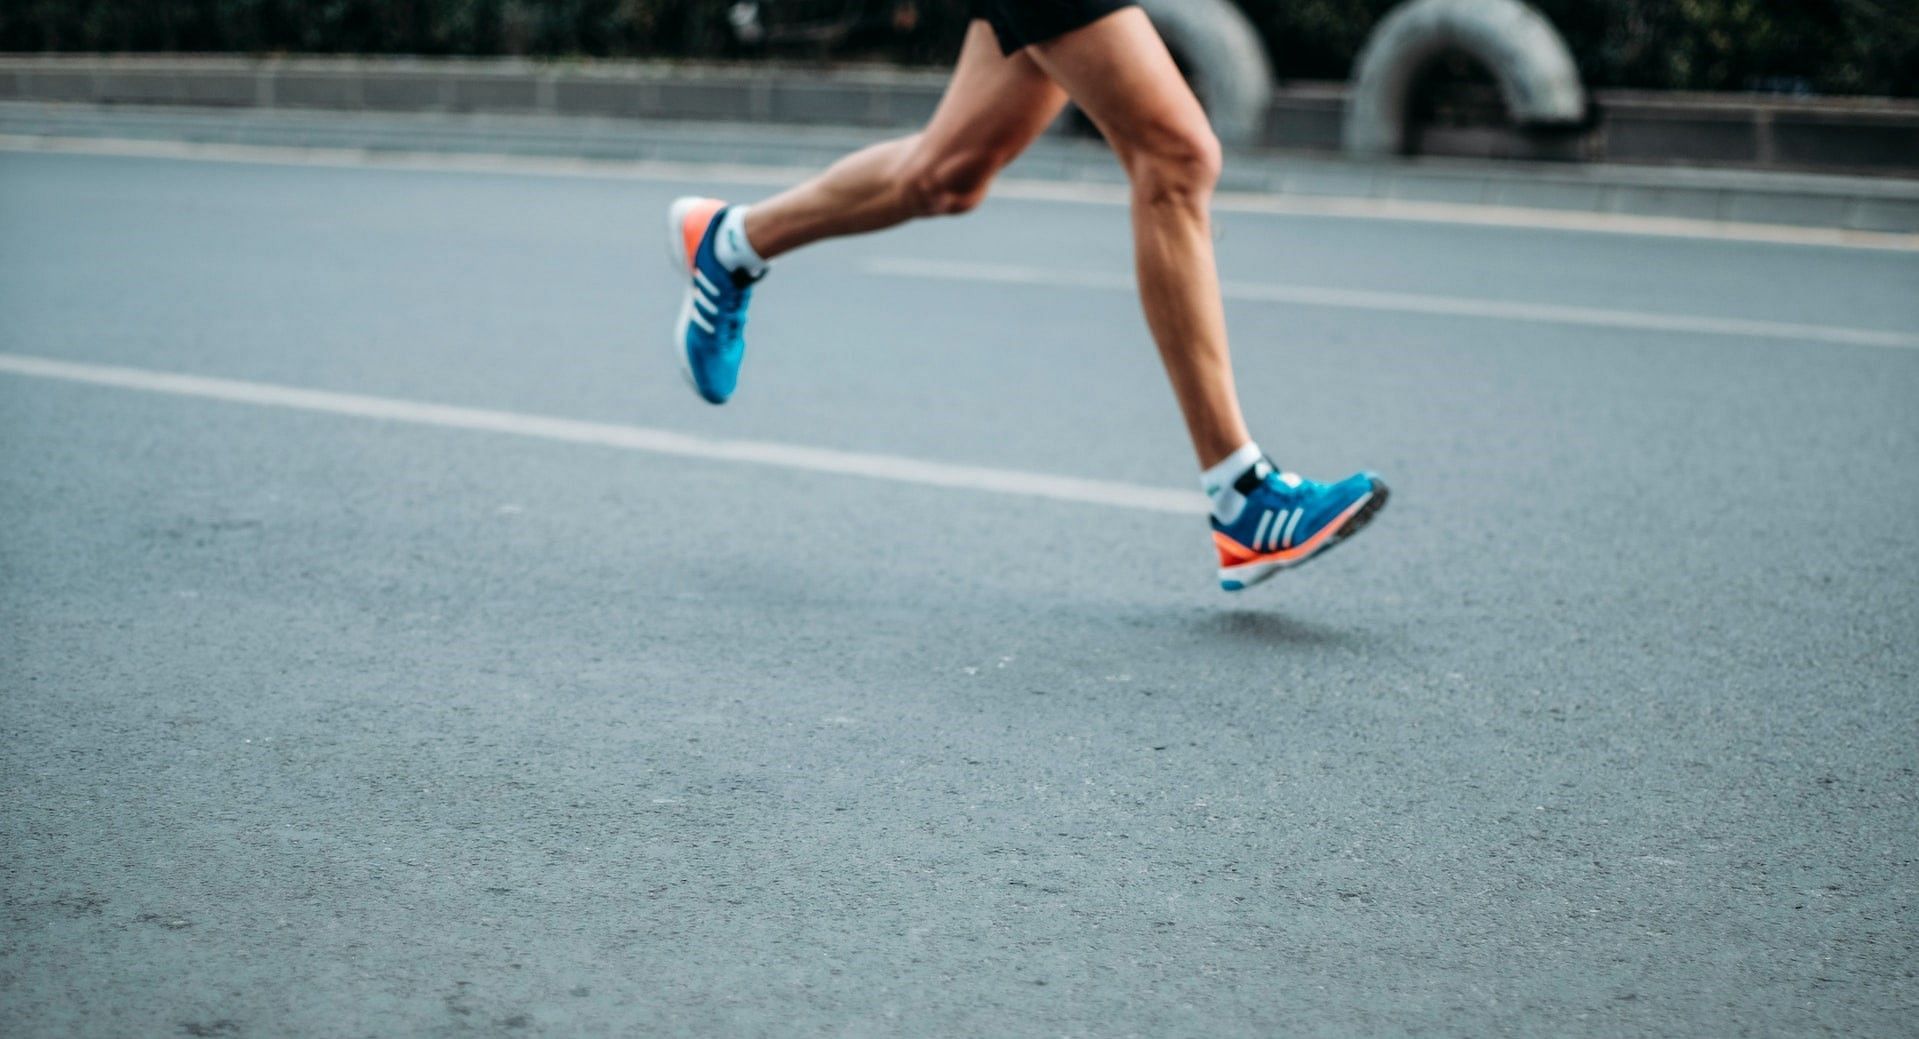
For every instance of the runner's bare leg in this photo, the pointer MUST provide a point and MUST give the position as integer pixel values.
(994, 106)
(1119, 72)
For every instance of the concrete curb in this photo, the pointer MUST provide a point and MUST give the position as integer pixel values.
(1803, 200)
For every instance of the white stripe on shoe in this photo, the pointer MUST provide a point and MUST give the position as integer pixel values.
(693, 313)
(1260, 536)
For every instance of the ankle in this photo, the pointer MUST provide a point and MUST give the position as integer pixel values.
(1221, 481)
(733, 247)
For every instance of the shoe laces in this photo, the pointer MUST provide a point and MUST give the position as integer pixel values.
(1288, 484)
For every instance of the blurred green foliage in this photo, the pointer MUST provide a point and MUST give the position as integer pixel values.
(1827, 46)
(536, 27)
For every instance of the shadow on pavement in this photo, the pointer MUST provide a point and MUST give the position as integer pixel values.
(1248, 625)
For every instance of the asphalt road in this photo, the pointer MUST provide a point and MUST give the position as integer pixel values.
(317, 724)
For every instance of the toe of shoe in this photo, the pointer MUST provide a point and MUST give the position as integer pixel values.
(716, 382)
(1361, 483)
(713, 391)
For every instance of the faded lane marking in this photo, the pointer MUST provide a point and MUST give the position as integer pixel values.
(1013, 187)
(1408, 303)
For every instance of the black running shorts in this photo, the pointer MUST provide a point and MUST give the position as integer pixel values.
(1020, 22)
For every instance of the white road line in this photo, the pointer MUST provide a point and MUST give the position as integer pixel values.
(1083, 192)
(626, 438)
(1480, 214)
(409, 162)
(1410, 303)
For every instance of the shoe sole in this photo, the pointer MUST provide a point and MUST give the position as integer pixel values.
(1360, 513)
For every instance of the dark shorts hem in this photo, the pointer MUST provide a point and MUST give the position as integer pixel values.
(1021, 23)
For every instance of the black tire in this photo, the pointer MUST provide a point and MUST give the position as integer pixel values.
(1223, 59)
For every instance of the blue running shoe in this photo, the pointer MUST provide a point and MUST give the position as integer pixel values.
(1288, 520)
(709, 336)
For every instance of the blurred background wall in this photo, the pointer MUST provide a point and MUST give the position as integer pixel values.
(1772, 46)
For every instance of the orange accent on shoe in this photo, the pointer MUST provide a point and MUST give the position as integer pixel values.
(1232, 553)
(694, 229)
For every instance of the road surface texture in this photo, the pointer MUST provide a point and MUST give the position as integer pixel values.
(341, 713)
(1864, 204)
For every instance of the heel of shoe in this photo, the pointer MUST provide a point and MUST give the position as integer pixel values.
(676, 232)
(680, 242)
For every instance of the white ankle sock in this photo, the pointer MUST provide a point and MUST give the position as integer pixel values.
(1218, 481)
(732, 249)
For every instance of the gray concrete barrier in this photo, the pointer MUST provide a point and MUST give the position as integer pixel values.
(1523, 51)
(1839, 135)
(853, 96)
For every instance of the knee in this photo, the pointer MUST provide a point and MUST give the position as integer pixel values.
(1177, 165)
(949, 183)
